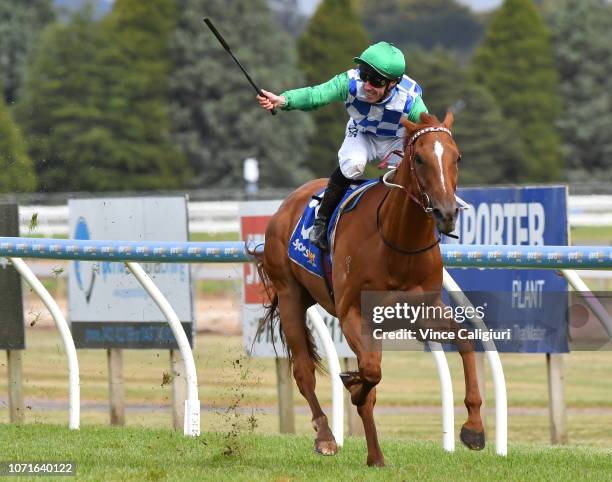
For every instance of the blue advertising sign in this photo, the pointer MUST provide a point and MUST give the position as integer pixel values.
(531, 303)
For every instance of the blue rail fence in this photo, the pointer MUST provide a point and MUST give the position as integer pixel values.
(480, 256)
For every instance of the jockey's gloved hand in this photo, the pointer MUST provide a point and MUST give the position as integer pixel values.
(269, 100)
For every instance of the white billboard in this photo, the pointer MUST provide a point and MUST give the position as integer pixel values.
(104, 291)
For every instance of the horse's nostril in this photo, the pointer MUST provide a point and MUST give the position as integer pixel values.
(437, 213)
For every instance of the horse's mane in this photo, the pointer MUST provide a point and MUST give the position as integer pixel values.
(428, 120)
(425, 120)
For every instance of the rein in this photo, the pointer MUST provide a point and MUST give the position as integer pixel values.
(389, 244)
(422, 201)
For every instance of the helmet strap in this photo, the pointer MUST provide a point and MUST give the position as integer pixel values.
(387, 90)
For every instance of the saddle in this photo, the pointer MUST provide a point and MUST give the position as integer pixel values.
(307, 255)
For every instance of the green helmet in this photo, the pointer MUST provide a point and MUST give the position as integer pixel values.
(385, 59)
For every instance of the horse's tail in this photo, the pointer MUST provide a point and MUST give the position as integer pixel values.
(272, 315)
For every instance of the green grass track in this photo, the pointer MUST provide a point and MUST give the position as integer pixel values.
(103, 453)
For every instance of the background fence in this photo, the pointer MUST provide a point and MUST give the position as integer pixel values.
(222, 216)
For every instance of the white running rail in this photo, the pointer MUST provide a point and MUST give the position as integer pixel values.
(446, 391)
(61, 324)
(333, 364)
(192, 403)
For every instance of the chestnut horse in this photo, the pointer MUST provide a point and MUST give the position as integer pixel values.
(388, 242)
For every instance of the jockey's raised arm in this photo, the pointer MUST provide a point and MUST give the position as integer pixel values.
(376, 94)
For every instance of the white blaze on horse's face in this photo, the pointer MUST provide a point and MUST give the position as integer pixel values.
(438, 158)
(439, 151)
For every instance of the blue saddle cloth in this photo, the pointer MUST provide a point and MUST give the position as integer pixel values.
(301, 250)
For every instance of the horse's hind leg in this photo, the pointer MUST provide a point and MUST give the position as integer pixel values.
(293, 303)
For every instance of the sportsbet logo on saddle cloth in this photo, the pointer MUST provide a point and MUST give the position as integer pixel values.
(382, 119)
(301, 250)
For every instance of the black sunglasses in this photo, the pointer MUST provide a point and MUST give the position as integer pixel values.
(375, 80)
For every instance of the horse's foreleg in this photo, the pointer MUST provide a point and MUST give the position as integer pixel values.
(369, 356)
(366, 412)
(293, 315)
(472, 431)
(361, 384)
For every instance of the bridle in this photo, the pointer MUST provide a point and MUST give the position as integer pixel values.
(422, 200)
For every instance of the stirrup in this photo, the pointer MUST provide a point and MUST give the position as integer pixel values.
(318, 235)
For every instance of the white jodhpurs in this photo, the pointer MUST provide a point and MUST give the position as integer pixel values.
(358, 149)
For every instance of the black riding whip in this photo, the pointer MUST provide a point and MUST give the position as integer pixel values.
(229, 51)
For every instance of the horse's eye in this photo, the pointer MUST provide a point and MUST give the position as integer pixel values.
(418, 160)
(458, 159)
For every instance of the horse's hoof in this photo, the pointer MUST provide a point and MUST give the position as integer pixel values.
(348, 378)
(326, 447)
(472, 439)
(376, 462)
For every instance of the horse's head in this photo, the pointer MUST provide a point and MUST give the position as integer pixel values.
(430, 167)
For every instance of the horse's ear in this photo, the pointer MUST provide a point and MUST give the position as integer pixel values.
(449, 119)
(410, 126)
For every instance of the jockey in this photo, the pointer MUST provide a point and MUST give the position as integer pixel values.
(376, 95)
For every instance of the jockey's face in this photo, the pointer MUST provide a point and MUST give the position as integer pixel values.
(376, 88)
(377, 94)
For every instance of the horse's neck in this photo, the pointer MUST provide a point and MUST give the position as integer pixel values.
(403, 222)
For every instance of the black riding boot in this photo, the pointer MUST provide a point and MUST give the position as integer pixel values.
(336, 187)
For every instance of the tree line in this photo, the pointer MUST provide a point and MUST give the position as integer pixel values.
(144, 98)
